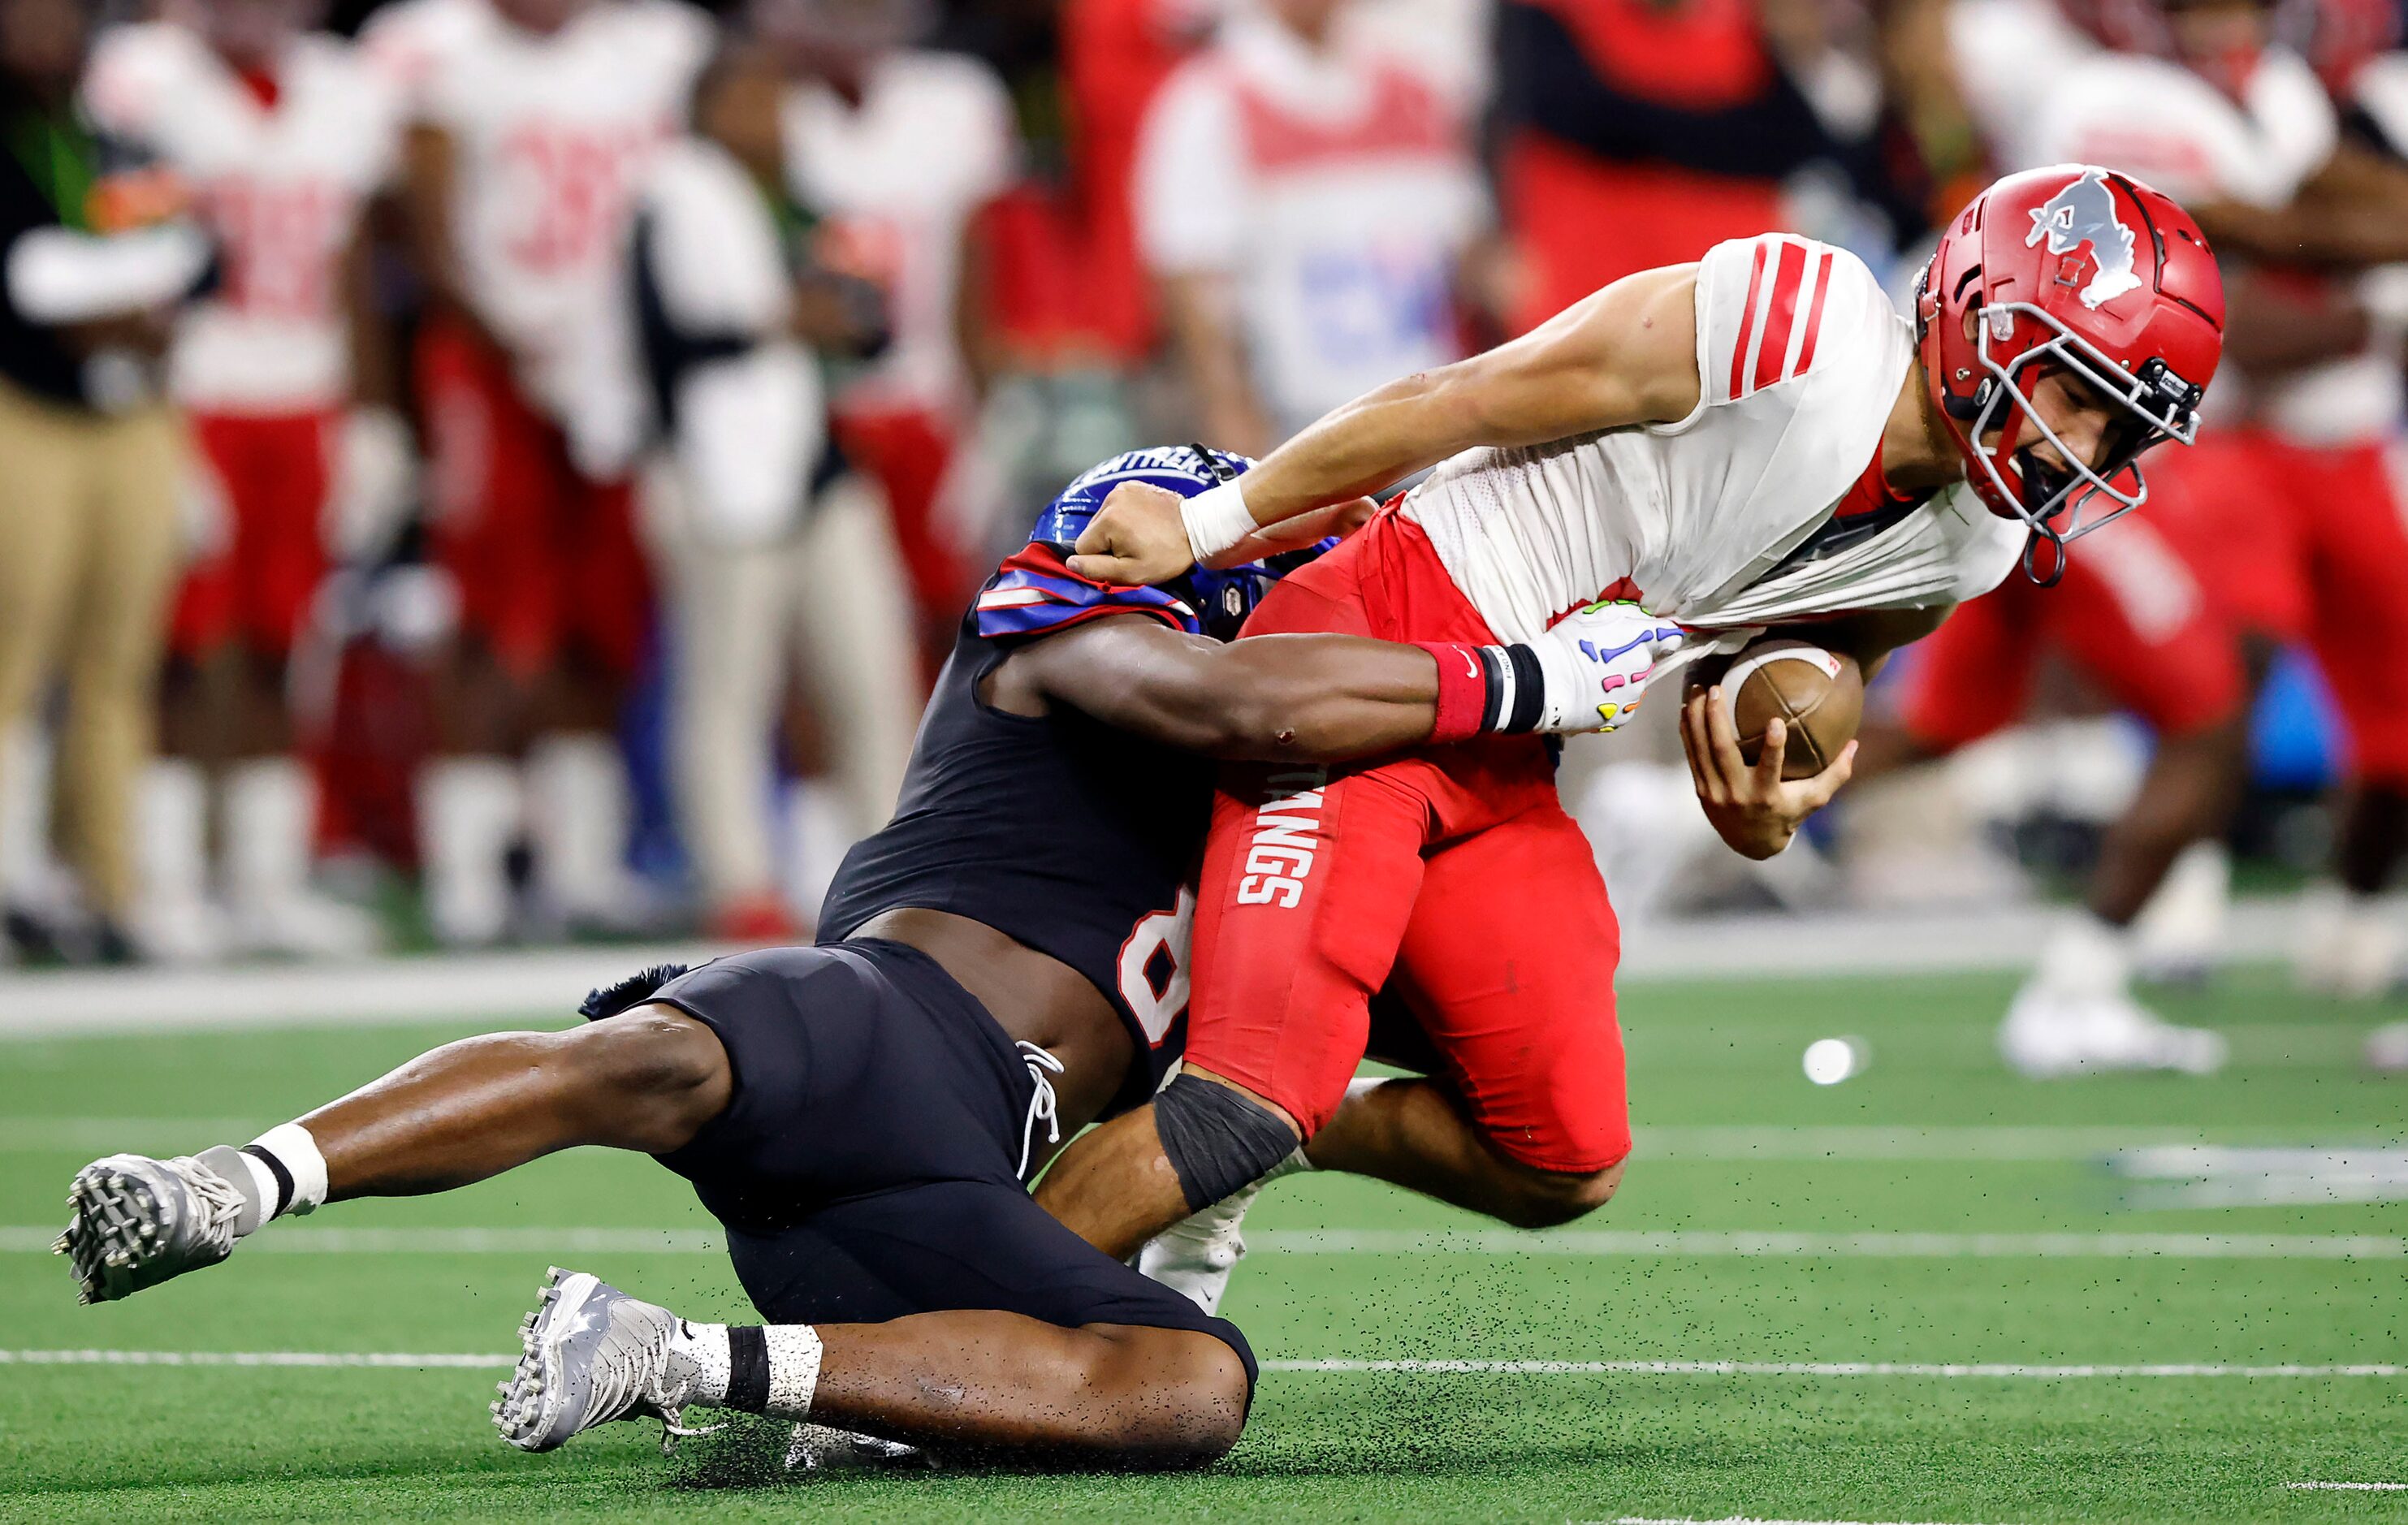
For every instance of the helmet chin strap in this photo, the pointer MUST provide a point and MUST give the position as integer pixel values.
(2048, 535)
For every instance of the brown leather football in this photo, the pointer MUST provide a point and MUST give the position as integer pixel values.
(1820, 693)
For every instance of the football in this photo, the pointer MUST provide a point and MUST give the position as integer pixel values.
(1820, 693)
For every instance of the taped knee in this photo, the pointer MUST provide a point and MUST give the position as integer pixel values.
(1218, 1141)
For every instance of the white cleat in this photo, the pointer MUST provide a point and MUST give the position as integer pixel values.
(1195, 1256)
(2349, 946)
(306, 925)
(2386, 1048)
(591, 1355)
(2049, 1035)
(2179, 936)
(180, 930)
(139, 1221)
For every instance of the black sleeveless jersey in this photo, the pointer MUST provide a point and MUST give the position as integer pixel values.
(1059, 832)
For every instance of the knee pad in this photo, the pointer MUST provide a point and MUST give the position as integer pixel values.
(1217, 1140)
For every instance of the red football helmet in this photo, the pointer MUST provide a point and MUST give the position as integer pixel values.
(2078, 269)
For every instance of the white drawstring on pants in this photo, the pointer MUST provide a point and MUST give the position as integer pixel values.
(1042, 1066)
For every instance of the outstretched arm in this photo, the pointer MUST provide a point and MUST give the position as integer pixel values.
(1625, 355)
(1324, 698)
(1313, 698)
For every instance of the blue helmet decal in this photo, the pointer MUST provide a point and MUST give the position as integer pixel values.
(1220, 599)
(1184, 469)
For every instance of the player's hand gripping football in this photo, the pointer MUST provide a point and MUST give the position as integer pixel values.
(1597, 661)
(1754, 808)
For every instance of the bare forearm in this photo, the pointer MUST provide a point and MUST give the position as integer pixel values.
(1303, 698)
(1323, 698)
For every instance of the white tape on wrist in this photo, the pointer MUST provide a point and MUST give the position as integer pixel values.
(1216, 518)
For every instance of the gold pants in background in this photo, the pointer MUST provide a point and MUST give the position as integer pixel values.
(89, 549)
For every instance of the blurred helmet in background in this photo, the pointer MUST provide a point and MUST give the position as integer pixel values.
(2079, 269)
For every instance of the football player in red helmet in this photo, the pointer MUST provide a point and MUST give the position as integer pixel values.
(1753, 440)
(2018, 297)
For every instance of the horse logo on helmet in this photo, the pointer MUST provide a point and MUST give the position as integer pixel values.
(2084, 213)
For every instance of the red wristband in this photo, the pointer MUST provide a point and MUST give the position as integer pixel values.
(1462, 690)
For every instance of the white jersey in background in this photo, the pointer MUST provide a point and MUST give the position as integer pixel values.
(1800, 357)
(896, 179)
(1333, 186)
(2167, 126)
(279, 184)
(550, 134)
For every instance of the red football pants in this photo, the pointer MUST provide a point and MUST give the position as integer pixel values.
(2306, 544)
(273, 475)
(546, 560)
(2131, 613)
(1455, 870)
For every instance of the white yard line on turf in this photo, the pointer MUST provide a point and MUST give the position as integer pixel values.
(1335, 1366)
(32, 1134)
(1989, 1370)
(1867, 1142)
(2351, 1488)
(431, 988)
(2209, 1175)
(83, 1003)
(300, 1239)
(1743, 1519)
(1868, 1245)
(1740, 1519)
(245, 1358)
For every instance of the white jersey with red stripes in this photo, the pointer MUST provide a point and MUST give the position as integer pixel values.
(1800, 356)
(280, 171)
(550, 134)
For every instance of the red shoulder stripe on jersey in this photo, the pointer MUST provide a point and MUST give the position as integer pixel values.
(1788, 280)
(1746, 325)
(1814, 315)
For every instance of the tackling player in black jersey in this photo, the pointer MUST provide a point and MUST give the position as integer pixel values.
(999, 966)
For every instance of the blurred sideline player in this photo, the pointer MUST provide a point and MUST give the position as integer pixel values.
(2286, 513)
(531, 121)
(2132, 616)
(893, 148)
(1306, 200)
(990, 977)
(284, 134)
(1751, 441)
(779, 563)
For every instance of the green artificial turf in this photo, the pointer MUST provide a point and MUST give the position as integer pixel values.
(1935, 1138)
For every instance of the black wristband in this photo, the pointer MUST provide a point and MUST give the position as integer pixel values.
(1530, 690)
(1517, 690)
(1496, 673)
(748, 1368)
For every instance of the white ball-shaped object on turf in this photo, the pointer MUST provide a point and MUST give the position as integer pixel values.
(1831, 1060)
